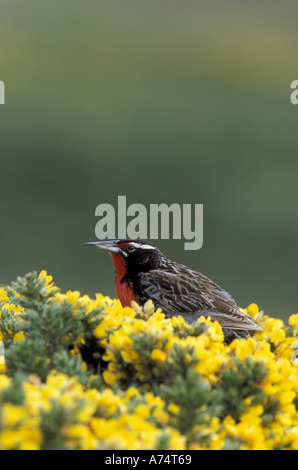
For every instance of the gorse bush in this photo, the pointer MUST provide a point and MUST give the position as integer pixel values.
(81, 373)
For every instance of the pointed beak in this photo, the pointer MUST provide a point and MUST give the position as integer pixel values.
(108, 245)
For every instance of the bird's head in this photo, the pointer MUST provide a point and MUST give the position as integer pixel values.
(138, 255)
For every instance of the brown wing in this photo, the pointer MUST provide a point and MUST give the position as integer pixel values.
(179, 290)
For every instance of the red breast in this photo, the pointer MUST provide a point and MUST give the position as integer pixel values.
(124, 289)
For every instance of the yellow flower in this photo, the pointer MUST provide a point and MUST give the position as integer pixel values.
(4, 382)
(142, 410)
(131, 392)
(253, 309)
(278, 335)
(176, 441)
(13, 309)
(80, 434)
(179, 322)
(109, 377)
(3, 295)
(49, 285)
(158, 355)
(140, 345)
(230, 426)
(18, 337)
(12, 414)
(293, 320)
(173, 408)
(243, 347)
(119, 340)
(72, 296)
(149, 307)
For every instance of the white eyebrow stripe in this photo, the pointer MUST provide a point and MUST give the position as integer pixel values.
(147, 247)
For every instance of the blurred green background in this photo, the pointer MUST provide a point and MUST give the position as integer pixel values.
(161, 101)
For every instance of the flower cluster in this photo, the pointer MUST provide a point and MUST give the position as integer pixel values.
(60, 413)
(82, 373)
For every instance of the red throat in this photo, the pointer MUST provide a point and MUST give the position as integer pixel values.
(124, 290)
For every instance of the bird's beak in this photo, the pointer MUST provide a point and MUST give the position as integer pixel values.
(108, 245)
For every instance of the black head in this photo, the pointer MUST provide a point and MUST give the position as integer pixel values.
(138, 254)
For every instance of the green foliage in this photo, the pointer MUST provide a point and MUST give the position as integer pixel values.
(14, 393)
(75, 366)
(51, 330)
(239, 383)
(194, 398)
(52, 426)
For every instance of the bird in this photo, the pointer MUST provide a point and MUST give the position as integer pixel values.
(143, 272)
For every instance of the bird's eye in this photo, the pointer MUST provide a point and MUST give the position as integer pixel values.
(130, 248)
